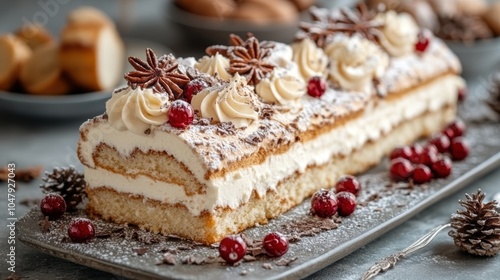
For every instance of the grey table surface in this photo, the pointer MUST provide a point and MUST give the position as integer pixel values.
(29, 142)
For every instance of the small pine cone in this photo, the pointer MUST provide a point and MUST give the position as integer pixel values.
(476, 229)
(67, 182)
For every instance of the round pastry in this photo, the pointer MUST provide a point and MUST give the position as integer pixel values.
(492, 17)
(88, 16)
(472, 7)
(210, 8)
(92, 51)
(13, 54)
(265, 11)
(34, 35)
(302, 4)
(446, 8)
(41, 74)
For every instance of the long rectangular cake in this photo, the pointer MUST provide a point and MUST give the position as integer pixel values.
(204, 148)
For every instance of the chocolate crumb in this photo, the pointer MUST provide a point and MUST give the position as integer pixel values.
(21, 174)
(140, 251)
(45, 224)
(147, 131)
(243, 272)
(285, 261)
(248, 258)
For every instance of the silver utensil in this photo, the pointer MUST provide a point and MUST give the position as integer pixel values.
(390, 261)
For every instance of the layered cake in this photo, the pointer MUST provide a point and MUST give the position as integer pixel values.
(203, 148)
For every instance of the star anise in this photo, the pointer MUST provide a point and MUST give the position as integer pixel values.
(160, 74)
(326, 24)
(235, 41)
(360, 22)
(248, 61)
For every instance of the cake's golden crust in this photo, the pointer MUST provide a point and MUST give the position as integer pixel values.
(212, 227)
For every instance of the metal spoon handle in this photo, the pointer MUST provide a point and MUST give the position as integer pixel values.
(390, 261)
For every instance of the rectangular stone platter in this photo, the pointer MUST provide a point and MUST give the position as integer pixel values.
(382, 206)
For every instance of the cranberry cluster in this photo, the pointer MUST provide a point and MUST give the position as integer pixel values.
(422, 163)
(181, 113)
(342, 200)
(79, 230)
(233, 248)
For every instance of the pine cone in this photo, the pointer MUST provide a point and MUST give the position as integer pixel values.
(67, 182)
(476, 229)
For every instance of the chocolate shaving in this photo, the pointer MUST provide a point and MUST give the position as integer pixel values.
(310, 226)
(140, 251)
(21, 174)
(161, 74)
(45, 224)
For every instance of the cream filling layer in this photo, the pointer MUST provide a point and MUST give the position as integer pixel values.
(235, 188)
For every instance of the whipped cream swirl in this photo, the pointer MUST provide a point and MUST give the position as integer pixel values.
(233, 101)
(399, 33)
(355, 62)
(215, 65)
(281, 87)
(137, 109)
(311, 60)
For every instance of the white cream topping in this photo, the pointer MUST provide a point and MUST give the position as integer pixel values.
(215, 65)
(378, 118)
(310, 59)
(400, 33)
(137, 109)
(355, 62)
(233, 101)
(281, 87)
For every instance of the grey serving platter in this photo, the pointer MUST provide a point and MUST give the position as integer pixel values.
(383, 205)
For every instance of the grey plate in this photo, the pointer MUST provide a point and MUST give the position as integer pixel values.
(385, 206)
(70, 106)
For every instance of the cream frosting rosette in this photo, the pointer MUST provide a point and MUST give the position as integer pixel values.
(137, 109)
(310, 59)
(355, 62)
(399, 33)
(232, 101)
(215, 65)
(281, 87)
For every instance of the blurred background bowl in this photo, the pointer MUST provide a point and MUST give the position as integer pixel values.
(478, 58)
(208, 31)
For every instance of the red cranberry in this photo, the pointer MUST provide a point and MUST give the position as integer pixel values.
(421, 174)
(401, 169)
(53, 206)
(348, 183)
(441, 142)
(429, 155)
(462, 94)
(455, 129)
(324, 203)
(81, 230)
(416, 152)
(403, 152)
(275, 244)
(232, 249)
(459, 148)
(316, 86)
(423, 41)
(347, 203)
(193, 87)
(181, 114)
(442, 167)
